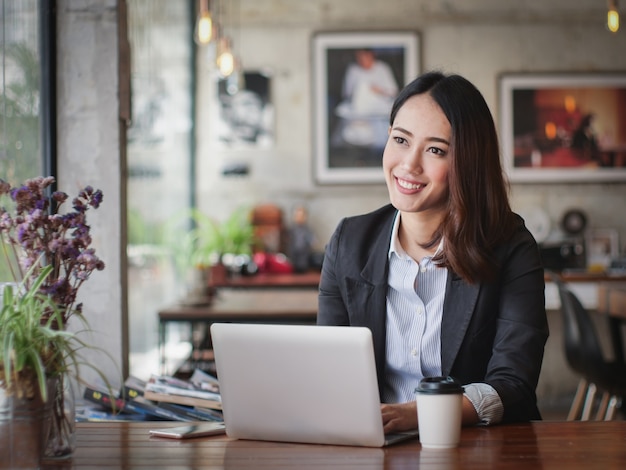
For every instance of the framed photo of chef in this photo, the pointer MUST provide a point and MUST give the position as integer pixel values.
(356, 77)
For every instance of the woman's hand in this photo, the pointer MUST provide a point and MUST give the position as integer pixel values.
(399, 416)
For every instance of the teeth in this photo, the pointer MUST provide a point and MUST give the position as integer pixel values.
(407, 185)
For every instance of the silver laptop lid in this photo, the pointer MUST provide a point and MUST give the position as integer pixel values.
(298, 383)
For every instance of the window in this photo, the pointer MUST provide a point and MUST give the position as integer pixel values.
(159, 165)
(21, 97)
(20, 101)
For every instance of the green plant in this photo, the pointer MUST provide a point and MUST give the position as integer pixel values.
(38, 356)
(237, 233)
(32, 348)
(197, 240)
(51, 257)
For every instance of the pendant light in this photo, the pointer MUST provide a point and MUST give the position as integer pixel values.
(225, 58)
(204, 24)
(612, 17)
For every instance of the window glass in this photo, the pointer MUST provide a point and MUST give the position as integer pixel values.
(159, 155)
(20, 67)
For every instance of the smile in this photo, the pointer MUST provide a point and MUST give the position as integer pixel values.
(406, 185)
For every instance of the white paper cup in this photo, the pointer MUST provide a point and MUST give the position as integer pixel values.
(439, 412)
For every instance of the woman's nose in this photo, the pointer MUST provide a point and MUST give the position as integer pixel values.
(413, 161)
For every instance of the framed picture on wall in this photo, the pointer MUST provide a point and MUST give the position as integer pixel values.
(244, 116)
(601, 246)
(563, 127)
(356, 77)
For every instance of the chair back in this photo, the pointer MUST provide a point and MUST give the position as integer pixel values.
(582, 346)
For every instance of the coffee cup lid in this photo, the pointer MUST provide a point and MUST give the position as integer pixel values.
(439, 385)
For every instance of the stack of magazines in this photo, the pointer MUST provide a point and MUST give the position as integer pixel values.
(160, 398)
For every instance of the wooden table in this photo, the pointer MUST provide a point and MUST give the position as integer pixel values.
(612, 303)
(546, 445)
(274, 305)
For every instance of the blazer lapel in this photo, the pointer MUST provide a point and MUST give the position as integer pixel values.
(458, 307)
(367, 294)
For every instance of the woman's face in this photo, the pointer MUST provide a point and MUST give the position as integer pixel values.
(417, 156)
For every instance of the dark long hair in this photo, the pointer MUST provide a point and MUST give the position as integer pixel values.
(479, 215)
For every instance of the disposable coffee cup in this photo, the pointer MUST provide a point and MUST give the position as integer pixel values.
(439, 411)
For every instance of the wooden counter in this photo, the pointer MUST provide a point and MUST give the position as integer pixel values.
(310, 279)
(584, 285)
(271, 305)
(546, 445)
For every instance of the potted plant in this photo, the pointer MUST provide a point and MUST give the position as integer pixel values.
(34, 356)
(205, 249)
(50, 257)
(224, 247)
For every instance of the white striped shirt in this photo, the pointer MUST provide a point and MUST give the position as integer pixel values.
(413, 347)
(414, 308)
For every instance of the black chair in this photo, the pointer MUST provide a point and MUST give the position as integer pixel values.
(584, 355)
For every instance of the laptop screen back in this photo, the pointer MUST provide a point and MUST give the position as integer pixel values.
(298, 383)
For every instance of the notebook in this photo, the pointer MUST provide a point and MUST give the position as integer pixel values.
(299, 383)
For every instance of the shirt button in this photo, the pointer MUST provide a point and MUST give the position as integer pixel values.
(419, 310)
(423, 269)
(413, 352)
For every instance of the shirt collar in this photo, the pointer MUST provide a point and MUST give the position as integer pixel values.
(396, 248)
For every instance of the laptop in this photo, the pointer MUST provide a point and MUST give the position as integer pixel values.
(300, 383)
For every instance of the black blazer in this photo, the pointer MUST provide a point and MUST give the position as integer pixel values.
(491, 332)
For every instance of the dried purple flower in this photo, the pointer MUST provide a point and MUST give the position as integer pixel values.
(59, 197)
(41, 236)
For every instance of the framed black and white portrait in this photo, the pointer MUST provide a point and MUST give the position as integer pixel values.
(245, 118)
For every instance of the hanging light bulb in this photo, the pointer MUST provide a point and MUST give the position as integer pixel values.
(204, 25)
(226, 63)
(225, 58)
(612, 17)
(236, 81)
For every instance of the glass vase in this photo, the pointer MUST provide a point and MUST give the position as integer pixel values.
(61, 440)
(24, 425)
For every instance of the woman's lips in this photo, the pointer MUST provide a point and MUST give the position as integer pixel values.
(408, 185)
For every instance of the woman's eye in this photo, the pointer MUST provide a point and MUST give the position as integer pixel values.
(437, 151)
(399, 140)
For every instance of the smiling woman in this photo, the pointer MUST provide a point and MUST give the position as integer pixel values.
(448, 234)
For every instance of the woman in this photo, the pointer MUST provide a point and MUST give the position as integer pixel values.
(447, 277)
